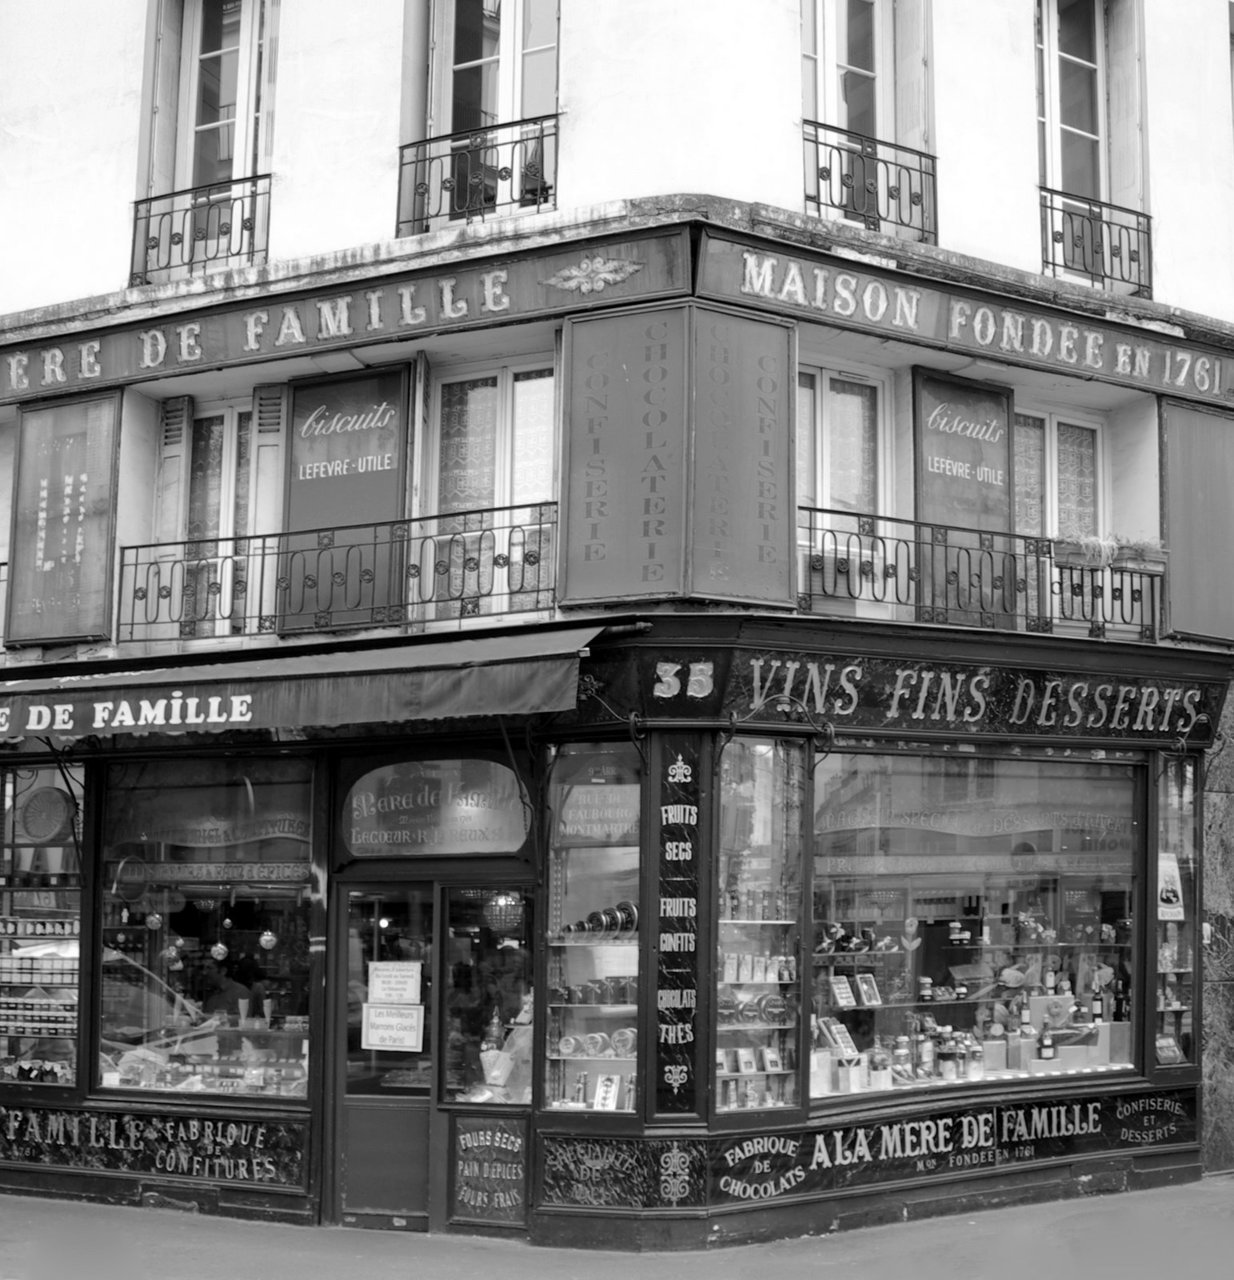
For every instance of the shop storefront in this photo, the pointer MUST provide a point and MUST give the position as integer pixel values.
(726, 926)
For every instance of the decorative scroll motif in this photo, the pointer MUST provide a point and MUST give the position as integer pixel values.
(593, 274)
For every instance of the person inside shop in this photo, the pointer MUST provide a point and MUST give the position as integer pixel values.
(223, 992)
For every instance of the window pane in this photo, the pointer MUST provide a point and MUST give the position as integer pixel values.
(591, 1049)
(859, 45)
(204, 927)
(216, 97)
(857, 103)
(1077, 97)
(475, 98)
(212, 161)
(1077, 481)
(973, 919)
(539, 23)
(1029, 443)
(852, 445)
(467, 462)
(1077, 29)
(477, 29)
(1081, 175)
(532, 462)
(539, 84)
(759, 890)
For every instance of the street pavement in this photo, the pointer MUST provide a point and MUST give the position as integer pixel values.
(1174, 1233)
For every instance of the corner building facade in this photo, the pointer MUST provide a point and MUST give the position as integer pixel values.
(599, 712)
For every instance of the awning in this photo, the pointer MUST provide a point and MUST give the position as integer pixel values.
(509, 675)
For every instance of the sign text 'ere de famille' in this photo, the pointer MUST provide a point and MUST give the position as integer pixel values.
(382, 309)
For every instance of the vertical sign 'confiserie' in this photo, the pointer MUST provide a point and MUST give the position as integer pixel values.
(677, 949)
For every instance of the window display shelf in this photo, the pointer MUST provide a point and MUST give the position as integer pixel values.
(608, 1010)
(590, 1057)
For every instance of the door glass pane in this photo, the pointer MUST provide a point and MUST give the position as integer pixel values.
(488, 996)
(389, 983)
(206, 479)
(857, 95)
(1081, 158)
(539, 83)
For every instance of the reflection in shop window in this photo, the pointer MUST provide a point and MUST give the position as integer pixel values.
(40, 924)
(203, 950)
(971, 931)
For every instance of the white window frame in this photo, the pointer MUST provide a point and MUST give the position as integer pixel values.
(254, 85)
(428, 448)
(1052, 416)
(508, 58)
(821, 69)
(881, 382)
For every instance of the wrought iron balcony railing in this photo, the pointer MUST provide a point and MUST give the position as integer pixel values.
(883, 186)
(200, 229)
(477, 173)
(393, 573)
(911, 571)
(1105, 244)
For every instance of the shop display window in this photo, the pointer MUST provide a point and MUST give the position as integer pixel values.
(489, 1002)
(203, 951)
(1177, 882)
(40, 924)
(759, 887)
(973, 920)
(593, 929)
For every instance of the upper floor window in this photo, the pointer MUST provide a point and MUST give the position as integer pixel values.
(492, 115)
(208, 146)
(865, 117)
(1090, 169)
(1057, 476)
(1070, 96)
(840, 445)
(846, 54)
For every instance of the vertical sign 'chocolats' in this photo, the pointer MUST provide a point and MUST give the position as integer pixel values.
(677, 949)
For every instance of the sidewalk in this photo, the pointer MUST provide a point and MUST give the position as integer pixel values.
(1177, 1233)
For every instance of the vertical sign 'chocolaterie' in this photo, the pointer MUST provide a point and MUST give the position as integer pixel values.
(64, 504)
(677, 937)
(625, 503)
(744, 512)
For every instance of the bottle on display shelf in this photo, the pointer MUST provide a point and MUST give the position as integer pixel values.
(1051, 981)
(1096, 1006)
(493, 1033)
(961, 1057)
(1045, 1047)
(947, 1067)
(976, 1061)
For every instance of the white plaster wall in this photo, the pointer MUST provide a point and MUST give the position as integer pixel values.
(984, 84)
(1190, 137)
(70, 121)
(667, 96)
(336, 126)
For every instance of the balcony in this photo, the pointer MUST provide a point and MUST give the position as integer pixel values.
(201, 229)
(878, 184)
(906, 571)
(399, 573)
(473, 175)
(1103, 244)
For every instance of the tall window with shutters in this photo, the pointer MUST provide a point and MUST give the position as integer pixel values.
(218, 511)
(489, 464)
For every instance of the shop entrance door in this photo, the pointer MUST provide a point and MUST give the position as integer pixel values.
(434, 1014)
